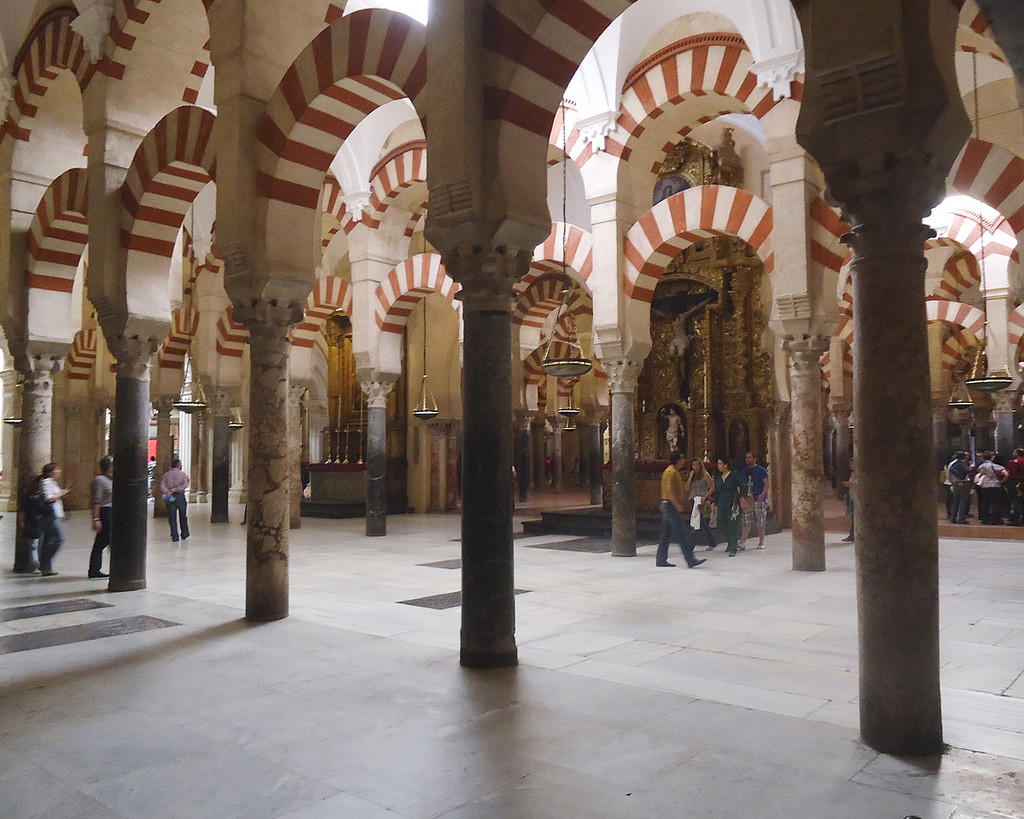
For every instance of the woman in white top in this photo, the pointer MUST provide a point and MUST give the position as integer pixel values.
(701, 486)
(52, 536)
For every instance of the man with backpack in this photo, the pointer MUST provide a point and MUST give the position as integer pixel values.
(957, 472)
(34, 515)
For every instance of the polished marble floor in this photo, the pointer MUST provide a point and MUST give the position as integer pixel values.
(725, 691)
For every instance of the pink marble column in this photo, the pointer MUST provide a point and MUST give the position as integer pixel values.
(269, 463)
(782, 463)
(808, 476)
(451, 464)
(622, 377)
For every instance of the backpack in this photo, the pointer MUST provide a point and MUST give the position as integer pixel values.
(958, 470)
(36, 513)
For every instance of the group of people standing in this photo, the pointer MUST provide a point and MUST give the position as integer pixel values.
(41, 510)
(999, 487)
(692, 494)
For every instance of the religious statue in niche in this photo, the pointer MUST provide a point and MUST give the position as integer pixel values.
(739, 439)
(675, 428)
(682, 307)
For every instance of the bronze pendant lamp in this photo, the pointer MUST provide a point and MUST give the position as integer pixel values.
(192, 398)
(426, 407)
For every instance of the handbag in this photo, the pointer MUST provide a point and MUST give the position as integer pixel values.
(747, 503)
(707, 509)
(695, 514)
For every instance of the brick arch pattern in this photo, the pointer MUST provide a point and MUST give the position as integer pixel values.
(826, 231)
(714, 63)
(329, 294)
(332, 207)
(533, 305)
(684, 219)
(971, 322)
(1015, 328)
(184, 325)
(50, 47)
(82, 355)
(399, 170)
(993, 175)
(404, 286)
(171, 165)
(354, 66)
(548, 256)
(231, 335)
(959, 274)
(59, 233)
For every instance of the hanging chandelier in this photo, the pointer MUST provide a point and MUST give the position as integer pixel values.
(570, 410)
(236, 421)
(980, 378)
(960, 398)
(564, 358)
(13, 417)
(192, 398)
(426, 407)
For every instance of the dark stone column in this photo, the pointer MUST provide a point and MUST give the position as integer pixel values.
(295, 447)
(896, 524)
(841, 419)
(595, 463)
(488, 595)
(557, 465)
(130, 437)
(808, 477)
(221, 467)
(164, 453)
(539, 454)
(524, 465)
(376, 393)
(35, 432)
(266, 580)
(451, 464)
(622, 376)
(782, 464)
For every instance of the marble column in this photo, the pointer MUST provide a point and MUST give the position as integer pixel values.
(269, 467)
(539, 455)
(488, 591)
(557, 465)
(8, 443)
(595, 462)
(376, 393)
(199, 473)
(940, 436)
(35, 431)
(164, 452)
(524, 472)
(80, 455)
(808, 477)
(841, 419)
(451, 465)
(129, 446)
(782, 463)
(622, 377)
(896, 524)
(220, 471)
(436, 455)
(966, 425)
(1006, 439)
(295, 450)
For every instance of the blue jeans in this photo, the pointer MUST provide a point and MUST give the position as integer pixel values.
(961, 502)
(50, 542)
(177, 510)
(673, 526)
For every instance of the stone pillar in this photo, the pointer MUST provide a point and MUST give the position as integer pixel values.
(164, 452)
(198, 481)
(965, 431)
(266, 582)
(80, 454)
(488, 592)
(782, 463)
(841, 419)
(1003, 402)
(376, 393)
(435, 453)
(295, 450)
(36, 427)
(220, 472)
(8, 442)
(539, 455)
(595, 461)
(129, 446)
(451, 463)
(808, 478)
(940, 437)
(897, 528)
(524, 472)
(622, 376)
(557, 465)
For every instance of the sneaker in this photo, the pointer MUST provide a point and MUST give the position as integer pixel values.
(847, 539)
(670, 565)
(760, 545)
(99, 574)
(48, 573)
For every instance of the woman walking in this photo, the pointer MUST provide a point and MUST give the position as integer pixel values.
(729, 488)
(702, 487)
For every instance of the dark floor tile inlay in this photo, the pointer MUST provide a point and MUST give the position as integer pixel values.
(44, 638)
(444, 564)
(585, 544)
(448, 600)
(43, 609)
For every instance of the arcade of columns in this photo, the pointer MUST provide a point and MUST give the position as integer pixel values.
(492, 132)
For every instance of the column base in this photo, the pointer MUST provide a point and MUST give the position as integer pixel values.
(624, 554)
(479, 659)
(264, 616)
(125, 585)
(219, 519)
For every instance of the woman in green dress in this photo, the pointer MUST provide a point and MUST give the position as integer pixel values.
(729, 487)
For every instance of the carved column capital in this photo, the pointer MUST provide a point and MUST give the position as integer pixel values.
(92, 24)
(487, 277)
(133, 355)
(622, 375)
(1004, 401)
(269, 318)
(805, 353)
(376, 393)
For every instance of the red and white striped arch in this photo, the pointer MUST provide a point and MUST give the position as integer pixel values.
(355, 65)
(713, 63)
(59, 233)
(397, 172)
(959, 274)
(685, 219)
(548, 256)
(826, 229)
(994, 176)
(51, 47)
(184, 324)
(231, 335)
(329, 294)
(404, 286)
(978, 234)
(971, 322)
(172, 164)
(1015, 329)
(533, 305)
(82, 355)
